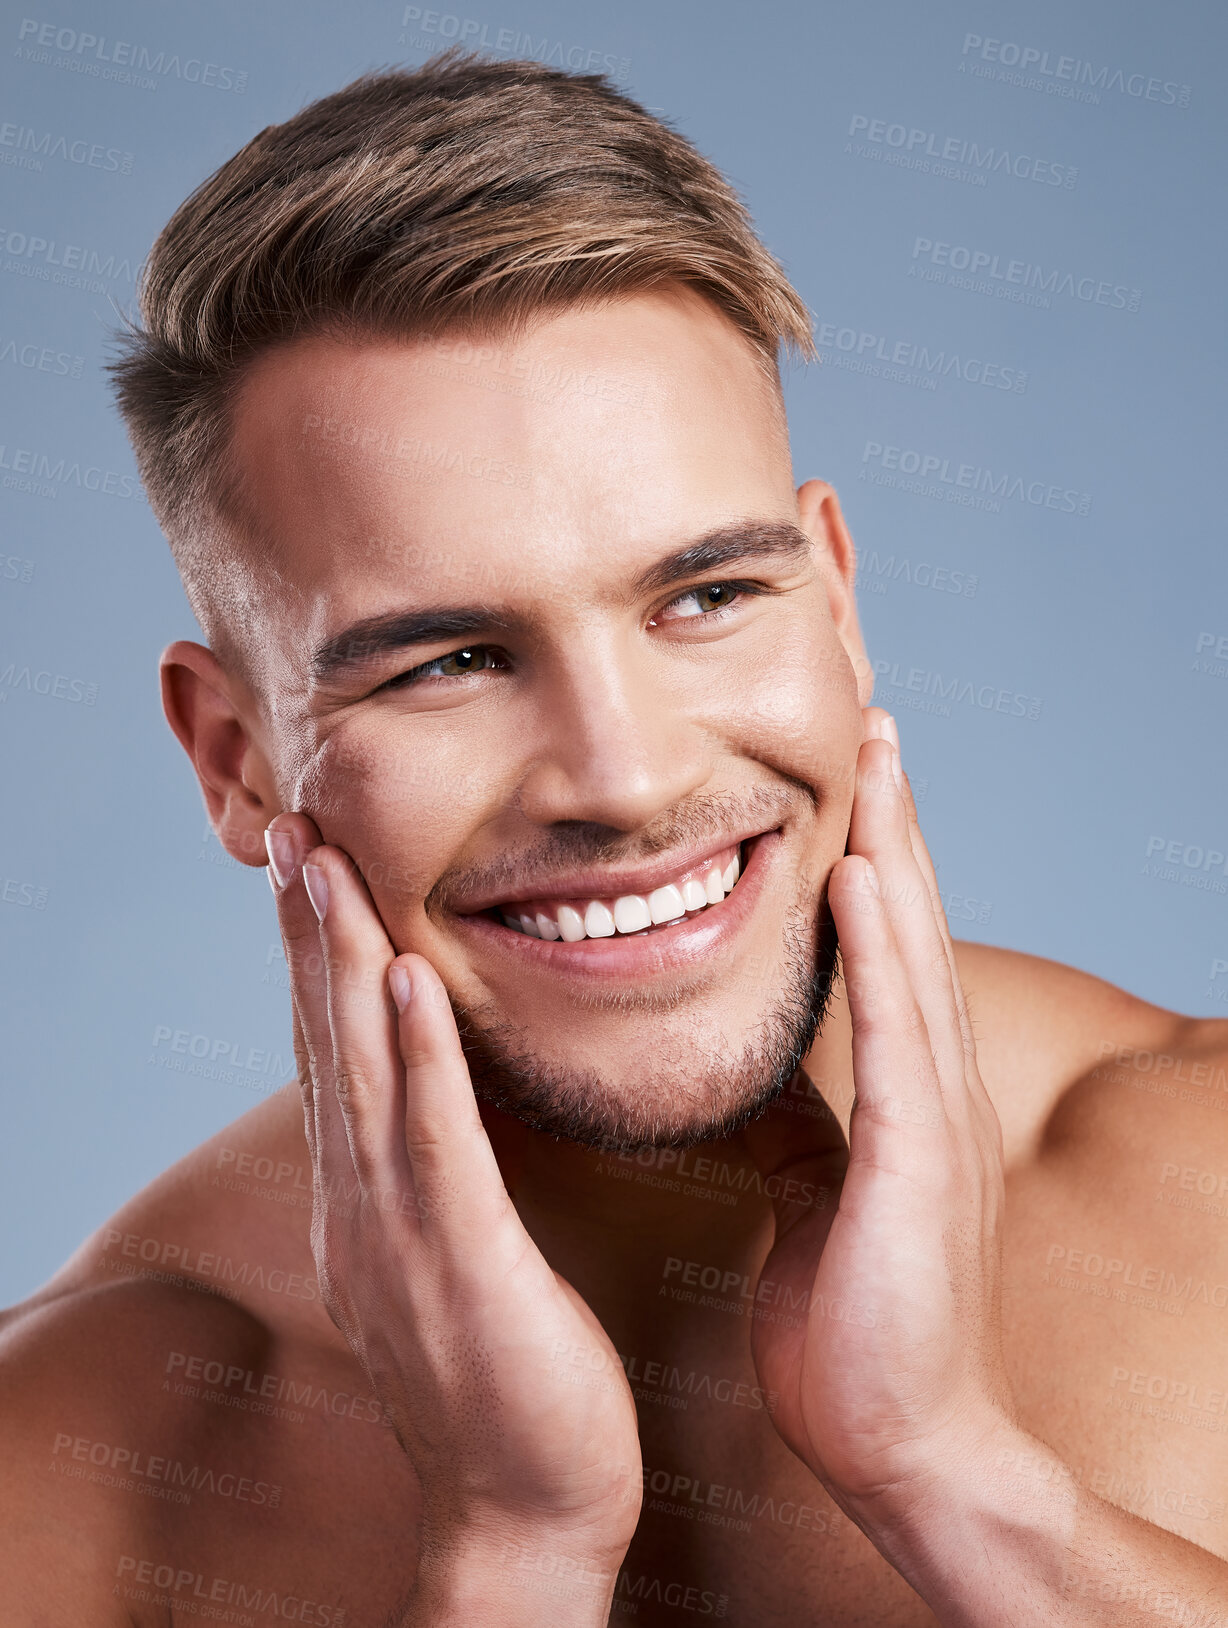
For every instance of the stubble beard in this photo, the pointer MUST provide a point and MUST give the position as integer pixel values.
(690, 1097)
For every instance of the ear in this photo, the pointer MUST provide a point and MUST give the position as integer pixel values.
(820, 518)
(199, 698)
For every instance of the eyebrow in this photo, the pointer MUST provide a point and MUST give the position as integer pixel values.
(363, 641)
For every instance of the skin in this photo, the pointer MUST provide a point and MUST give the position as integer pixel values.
(893, 1350)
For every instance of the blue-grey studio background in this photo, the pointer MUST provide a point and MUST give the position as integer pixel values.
(1017, 273)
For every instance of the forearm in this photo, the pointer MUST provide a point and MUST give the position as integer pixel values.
(1013, 1537)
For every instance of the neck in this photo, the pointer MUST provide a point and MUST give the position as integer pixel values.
(623, 1222)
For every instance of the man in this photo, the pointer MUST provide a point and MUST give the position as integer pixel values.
(542, 690)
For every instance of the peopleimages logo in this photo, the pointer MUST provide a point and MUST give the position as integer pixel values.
(996, 484)
(1066, 76)
(906, 360)
(882, 137)
(1013, 277)
(122, 60)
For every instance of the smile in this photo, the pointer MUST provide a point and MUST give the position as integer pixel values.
(681, 924)
(629, 914)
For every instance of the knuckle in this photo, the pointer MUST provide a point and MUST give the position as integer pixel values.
(357, 1089)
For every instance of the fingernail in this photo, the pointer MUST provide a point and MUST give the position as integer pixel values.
(280, 847)
(316, 884)
(897, 773)
(398, 982)
(872, 879)
(890, 732)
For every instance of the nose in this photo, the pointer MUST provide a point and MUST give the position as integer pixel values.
(614, 742)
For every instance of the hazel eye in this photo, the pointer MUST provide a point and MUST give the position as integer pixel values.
(708, 599)
(467, 661)
(456, 664)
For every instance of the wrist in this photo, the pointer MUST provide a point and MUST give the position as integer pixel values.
(993, 1509)
(506, 1577)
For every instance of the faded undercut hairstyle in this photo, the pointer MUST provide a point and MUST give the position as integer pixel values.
(467, 196)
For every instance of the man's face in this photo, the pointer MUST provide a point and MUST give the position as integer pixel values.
(590, 719)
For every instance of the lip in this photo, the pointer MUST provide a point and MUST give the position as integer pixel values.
(595, 884)
(690, 942)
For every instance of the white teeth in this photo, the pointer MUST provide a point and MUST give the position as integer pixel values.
(571, 924)
(693, 895)
(631, 913)
(665, 904)
(598, 922)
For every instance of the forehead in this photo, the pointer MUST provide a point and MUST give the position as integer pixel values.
(588, 444)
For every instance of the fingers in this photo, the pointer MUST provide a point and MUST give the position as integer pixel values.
(462, 1199)
(879, 829)
(894, 1067)
(367, 1081)
(290, 837)
(389, 1098)
(926, 866)
(941, 993)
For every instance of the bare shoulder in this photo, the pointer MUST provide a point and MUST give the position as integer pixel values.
(179, 1405)
(89, 1426)
(1048, 1033)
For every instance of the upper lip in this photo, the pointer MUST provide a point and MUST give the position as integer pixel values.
(608, 884)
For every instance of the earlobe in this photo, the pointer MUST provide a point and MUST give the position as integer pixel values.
(235, 781)
(822, 520)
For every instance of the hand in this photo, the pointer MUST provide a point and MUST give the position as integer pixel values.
(881, 1327)
(427, 1270)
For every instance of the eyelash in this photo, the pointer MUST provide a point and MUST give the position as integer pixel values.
(414, 675)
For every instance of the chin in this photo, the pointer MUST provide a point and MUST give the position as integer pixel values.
(690, 1096)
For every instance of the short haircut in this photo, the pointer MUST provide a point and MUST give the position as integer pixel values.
(467, 195)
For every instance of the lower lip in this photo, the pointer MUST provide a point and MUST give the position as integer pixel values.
(689, 942)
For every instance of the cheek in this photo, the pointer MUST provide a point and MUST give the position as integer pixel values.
(396, 804)
(797, 709)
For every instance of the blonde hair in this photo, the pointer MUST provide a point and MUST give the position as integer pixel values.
(465, 195)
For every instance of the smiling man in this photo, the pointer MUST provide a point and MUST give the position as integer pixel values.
(668, 1220)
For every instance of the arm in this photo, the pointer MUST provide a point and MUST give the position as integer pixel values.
(530, 1486)
(1009, 1536)
(69, 1547)
(893, 1385)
